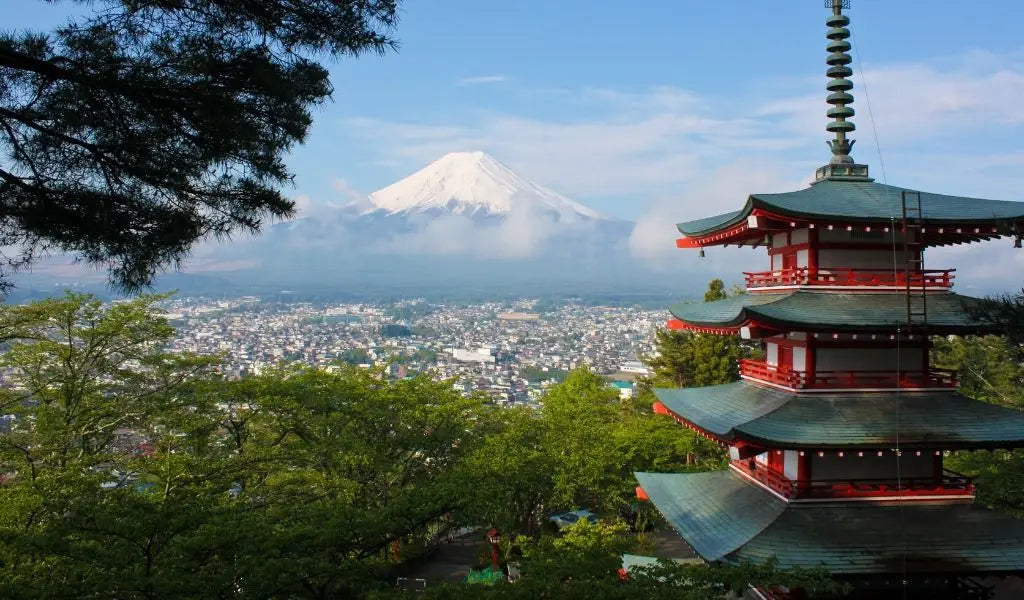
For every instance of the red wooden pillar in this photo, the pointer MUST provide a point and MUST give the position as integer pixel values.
(803, 470)
(812, 255)
(810, 350)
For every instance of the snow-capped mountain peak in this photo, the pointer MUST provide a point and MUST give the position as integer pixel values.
(473, 183)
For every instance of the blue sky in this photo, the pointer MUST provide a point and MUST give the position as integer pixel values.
(667, 110)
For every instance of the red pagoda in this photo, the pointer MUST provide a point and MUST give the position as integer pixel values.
(836, 440)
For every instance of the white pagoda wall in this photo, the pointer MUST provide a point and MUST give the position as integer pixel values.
(790, 464)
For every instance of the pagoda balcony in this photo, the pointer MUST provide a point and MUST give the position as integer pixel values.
(850, 278)
(949, 484)
(847, 380)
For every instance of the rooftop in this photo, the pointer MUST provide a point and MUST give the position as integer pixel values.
(830, 312)
(728, 519)
(934, 420)
(868, 203)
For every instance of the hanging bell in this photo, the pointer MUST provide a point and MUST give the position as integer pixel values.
(701, 253)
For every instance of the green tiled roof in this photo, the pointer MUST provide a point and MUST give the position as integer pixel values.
(726, 518)
(862, 201)
(703, 508)
(940, 420)
(830, 311)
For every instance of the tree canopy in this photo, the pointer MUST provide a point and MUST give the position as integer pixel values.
(133, 132)
(131, 472)
(689, 359)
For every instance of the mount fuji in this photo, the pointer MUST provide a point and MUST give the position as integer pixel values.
(464, 225)
(465, 206)
(475, 183)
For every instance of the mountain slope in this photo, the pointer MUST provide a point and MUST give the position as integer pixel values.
(474, 184)
(465, 222)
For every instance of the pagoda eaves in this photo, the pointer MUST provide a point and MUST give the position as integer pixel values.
(744, 411)
(725, 518)
(823, 311)
(862, 206)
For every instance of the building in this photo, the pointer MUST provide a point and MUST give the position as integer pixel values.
(837, 439)
(625, 389)
(483, 354)
(634, 367)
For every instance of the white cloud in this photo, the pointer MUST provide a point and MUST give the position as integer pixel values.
(720, 191)
(521, 234)
(482, 79)
(936, 121)
(915, 102)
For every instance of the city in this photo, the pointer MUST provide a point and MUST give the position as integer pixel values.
(501, 349)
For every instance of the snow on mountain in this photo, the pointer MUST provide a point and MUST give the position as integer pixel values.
(474, 184)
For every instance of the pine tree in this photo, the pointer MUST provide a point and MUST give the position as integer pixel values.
(716, 291)
(133, 133)
(688, 359)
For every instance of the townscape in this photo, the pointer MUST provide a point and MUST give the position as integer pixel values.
(500, 348)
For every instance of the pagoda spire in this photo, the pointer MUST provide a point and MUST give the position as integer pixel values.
(842, 166)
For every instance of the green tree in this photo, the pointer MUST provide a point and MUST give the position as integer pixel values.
(580, 450)
(689, 359)
(93, 392)
(355, 356)
(990, 370)
(716, 291)
(508, 479)
(989, 367)
(135, 131)
(131, 473)
(349, 465)
(1005, 313)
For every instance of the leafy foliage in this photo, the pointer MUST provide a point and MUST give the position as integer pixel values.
(130, 472)
(581, 450)
(131, 134)
(716, 291)
(1005, 312)
(989, 367)
(990, 370)
(584, 564)
(689, 359)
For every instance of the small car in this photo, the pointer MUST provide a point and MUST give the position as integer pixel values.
(563, 520)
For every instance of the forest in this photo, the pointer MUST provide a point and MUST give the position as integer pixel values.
(130, 472)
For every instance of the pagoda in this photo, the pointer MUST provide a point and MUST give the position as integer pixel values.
(836, 439)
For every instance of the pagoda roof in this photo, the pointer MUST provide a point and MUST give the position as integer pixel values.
(726, 518)
(935, 420)
(829, 311)
(865, 202)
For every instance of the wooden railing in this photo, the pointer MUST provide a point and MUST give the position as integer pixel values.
(930, 378)
(949, 484)
(844, 277)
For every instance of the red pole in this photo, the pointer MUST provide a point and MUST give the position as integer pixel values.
(494, 539)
